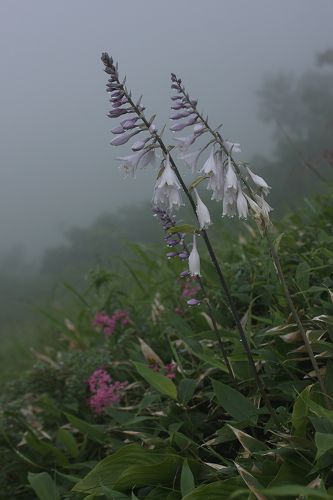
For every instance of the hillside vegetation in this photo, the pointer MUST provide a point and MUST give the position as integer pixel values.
(132, 399)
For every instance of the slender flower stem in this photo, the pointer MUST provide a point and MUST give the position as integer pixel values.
(211, 252)
(274, 254)
(218, 270)
(216, 331)
(297, 320)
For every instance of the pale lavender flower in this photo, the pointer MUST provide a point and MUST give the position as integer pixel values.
(194, 259)
(259, 181)
(167, 188)
(242, 206)
(191, 159)
(202, 212)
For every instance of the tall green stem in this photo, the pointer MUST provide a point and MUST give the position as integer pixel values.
(216, 264)
(274, 254)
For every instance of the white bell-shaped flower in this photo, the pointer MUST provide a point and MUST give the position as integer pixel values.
(202, 212)
(194, 259)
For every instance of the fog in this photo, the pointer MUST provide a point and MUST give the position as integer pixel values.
(57, 166)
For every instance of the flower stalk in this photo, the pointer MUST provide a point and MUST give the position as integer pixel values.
(264, 222)
(136, 108)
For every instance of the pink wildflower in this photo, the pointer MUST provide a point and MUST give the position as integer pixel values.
(168, 370)
(104, 393)
(108, 323)
(171, 370)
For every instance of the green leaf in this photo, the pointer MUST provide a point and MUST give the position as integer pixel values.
(68, 441)
(94, 432)
(303, 275)
(251, 482)
(146, 475)
(128, 467)
(237, 405)
(300, 412)
(184, 228)
(43, 486)
(186, 390)
(219, 490)
(250, 444)
(159, 382)
(324, 443)
(296, 490)
(187, 483)
(197, 181)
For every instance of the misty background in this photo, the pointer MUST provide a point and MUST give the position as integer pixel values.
(64, 204)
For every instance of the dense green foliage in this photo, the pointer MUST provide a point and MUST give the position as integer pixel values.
(194, 436)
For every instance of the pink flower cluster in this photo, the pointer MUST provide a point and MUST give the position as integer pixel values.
(190, 289)
(104, 393)
(169, 369)
(109, 323)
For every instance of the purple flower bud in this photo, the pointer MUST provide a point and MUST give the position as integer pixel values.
(119, 94)
(114, 113)
(183, 256)
(175, 86)
(122, 139)
(184, 274)
(193, 302)
(152, 128)
(176, 97)
(129, 123)
(178, 105)
(199, 128)
(118, 130)
(119, 103)
(170, 255)
(177, 127)
(194, 102)
(180, 114)
(138, 145)
(172, 243)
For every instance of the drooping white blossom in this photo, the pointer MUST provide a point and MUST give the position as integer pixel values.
(191, 159)
(167, 188)
(216, 180)
(194, 259)
(139, 159)
(265, 207)
(259, 181)
(232, 147)
(242, 206)
(209, 167)
(230, 192)
(202, 212)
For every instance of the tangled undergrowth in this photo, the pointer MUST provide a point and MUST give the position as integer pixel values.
(136, 402)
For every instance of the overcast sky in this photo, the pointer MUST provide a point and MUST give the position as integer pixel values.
(57, 167)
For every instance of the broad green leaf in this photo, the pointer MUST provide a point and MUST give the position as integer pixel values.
(251, 482)
(324, 443)
(187, 483)
(159, 382)
(296, 490)
(68, 441)
(44, 486)
(146, 475)
(219, 490)
(237, 405)
(46, 449)
(303, 275)
(300, 412)
(94, 432)
(184, 228)
(127, 467)
(250, 444)
(186, 390)
(197, 181)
